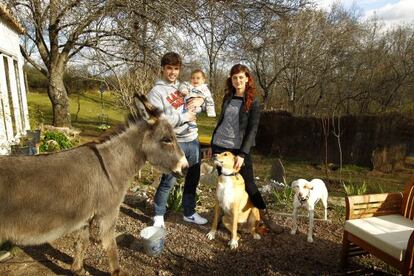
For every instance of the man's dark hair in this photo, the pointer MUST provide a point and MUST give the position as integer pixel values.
(171, 58)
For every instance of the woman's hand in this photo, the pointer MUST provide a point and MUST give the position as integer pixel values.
(193, 103)
(238, 162)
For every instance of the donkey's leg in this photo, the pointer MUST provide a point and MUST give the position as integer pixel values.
(81, 244)
(109, 243)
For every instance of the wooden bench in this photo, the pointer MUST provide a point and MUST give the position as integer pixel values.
(382, 225)
(205, 145)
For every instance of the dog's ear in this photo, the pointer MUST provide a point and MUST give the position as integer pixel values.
(234, 162)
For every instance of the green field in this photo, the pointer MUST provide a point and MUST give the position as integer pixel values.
(88, 119)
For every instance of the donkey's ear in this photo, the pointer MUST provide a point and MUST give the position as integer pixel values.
(144, 110)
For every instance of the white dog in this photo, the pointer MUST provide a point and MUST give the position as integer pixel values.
(307, 194)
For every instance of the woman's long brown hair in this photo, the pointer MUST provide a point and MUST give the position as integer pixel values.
(250, 86)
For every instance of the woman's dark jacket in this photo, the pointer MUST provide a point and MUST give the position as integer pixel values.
(248, 123)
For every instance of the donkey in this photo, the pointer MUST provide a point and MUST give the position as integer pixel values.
(46, 196)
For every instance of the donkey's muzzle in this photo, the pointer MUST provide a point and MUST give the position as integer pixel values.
(185, 170)
(181, 172)
(182, 168)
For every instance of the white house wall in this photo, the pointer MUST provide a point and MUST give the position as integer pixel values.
(9, 48)
(9, 40)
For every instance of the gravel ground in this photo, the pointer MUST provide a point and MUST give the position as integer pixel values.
(188, 252)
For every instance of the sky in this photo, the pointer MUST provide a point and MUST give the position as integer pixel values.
(391, 12)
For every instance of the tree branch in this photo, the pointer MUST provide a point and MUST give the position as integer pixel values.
(32, 62)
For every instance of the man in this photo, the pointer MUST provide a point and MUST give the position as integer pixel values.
(165, 96)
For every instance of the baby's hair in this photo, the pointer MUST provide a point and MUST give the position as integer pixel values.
(198, 71)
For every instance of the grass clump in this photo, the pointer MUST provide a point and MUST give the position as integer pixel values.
(355, 188)
(283, 197)
(175, 198)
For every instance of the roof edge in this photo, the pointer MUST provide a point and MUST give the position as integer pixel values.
(7, 15)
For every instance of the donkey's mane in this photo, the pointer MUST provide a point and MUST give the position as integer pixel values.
(107, 135)
(115, 131)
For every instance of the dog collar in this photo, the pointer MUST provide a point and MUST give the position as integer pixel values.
(230, 174)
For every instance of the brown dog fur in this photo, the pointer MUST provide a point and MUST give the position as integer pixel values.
(232, 198)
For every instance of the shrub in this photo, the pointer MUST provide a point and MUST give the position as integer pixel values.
(283, 197)
(355, 189)
(54, 141)
(37, 117)
(175, 198)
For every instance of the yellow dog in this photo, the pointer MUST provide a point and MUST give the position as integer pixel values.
(233, 199)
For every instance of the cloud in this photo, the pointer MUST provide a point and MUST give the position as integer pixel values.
(391, 12)
(396, 13)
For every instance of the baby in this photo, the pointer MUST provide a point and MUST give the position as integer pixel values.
(198, 89)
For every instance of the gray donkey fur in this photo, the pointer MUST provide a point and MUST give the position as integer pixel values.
(46, 196)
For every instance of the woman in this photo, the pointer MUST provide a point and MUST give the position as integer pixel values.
(236, 131)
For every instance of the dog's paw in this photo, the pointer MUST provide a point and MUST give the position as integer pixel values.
(256, 236)
(293, 231)
(310, 239)
(211, 235)
(233, 244)
(120, 273)
(80, 272)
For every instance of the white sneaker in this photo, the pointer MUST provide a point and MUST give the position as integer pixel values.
(159, 221)
(195, 218)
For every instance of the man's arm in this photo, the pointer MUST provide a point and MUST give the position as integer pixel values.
(174, 117)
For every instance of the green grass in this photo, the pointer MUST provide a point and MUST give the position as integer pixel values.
(90, 108)
(205, 124)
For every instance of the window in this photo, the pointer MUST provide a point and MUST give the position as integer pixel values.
(9, 92)
(3, 116)
(19, 93)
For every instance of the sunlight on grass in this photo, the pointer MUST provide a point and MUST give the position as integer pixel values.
(90, 109)
(205, 124)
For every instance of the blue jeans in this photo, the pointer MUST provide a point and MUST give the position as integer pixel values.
(192, 153)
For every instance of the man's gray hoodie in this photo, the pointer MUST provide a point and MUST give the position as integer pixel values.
(166, 97)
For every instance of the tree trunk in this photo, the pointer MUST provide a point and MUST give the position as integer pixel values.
(60, 100)
(265, 97)
(292, 106)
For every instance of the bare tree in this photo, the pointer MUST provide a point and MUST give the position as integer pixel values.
(207, 24)
(59, 30)
(261, 41)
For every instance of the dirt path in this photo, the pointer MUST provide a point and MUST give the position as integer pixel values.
(189, 252)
